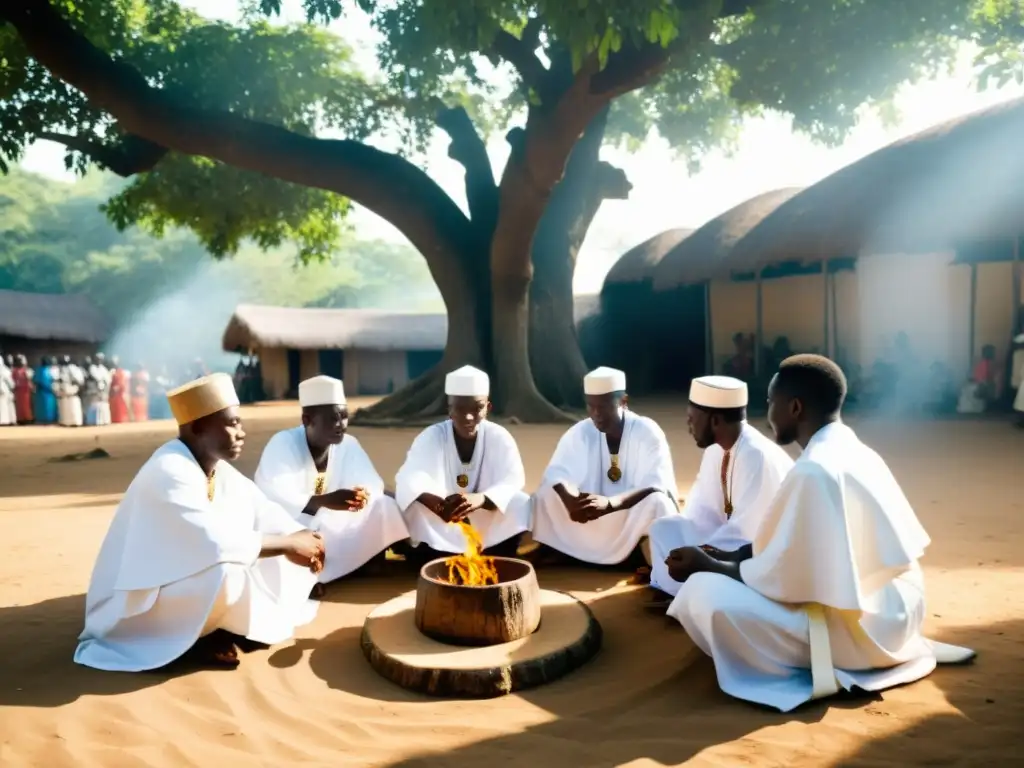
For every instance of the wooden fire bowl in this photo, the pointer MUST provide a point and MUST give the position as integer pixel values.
(478, 616)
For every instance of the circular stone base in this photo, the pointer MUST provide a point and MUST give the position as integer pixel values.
(567, 638)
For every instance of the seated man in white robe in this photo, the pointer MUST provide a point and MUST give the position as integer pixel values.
(196, 556)
(323, 478)
(740, 472)
(466, 468)
(832, 595)
(610, 477)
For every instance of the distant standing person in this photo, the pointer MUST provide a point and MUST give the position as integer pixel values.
(46, 401)
(88, 393)
(119, 387)
(97, 375)
(159, 408)
(140, 394)
(7, 415)
(69, 403)
(23, 388)
(1017, 378)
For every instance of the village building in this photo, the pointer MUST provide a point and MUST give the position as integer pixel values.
(38, 324)
(921, 238)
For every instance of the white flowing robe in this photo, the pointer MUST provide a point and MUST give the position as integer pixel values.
(101, 402)
(833, 596)
(1017, 379)
(287, 475)
(175, 566)
(581, 460)
(757, 467)
(7, 410)
(496, 470)
(69, 404)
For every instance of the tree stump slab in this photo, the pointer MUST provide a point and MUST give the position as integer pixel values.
(568, 637)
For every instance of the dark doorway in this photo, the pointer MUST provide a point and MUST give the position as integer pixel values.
(419, 361)
(294, 372)
(332, 362)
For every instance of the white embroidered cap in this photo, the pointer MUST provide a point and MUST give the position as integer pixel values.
(467, 381)
(321, 390)
(604, 381)
(718, 392)
(202, 397)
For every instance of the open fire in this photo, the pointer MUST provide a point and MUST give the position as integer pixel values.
(472, 568)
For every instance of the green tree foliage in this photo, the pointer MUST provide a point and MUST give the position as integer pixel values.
(219, 125)
(55, 239)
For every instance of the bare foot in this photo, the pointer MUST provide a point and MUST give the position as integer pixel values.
(215, 651)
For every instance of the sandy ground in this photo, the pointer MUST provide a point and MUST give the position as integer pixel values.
(648, 699)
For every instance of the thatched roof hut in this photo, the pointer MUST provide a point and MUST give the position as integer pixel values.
(640, 262)
(708, 252)
(51, 317)
(957, 181)
(253, 326)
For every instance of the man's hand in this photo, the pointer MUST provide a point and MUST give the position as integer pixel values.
(684, 562)
(306, 548)
(434, 503)
(592, 506)
(459, 506)
(350, 499)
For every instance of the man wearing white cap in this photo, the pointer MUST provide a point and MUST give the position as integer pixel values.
(465, 468)
(196, 556)
(740, 472)
(831, 594)
(323, 478)
(611, 476)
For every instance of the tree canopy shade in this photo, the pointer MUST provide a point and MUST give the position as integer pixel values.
(223, 128)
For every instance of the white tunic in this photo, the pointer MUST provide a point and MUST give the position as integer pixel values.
(287, 475)
(834, 586)
(1017, 379)
(69, 404)
(8, 415)
(175, 566)
(496, 470)
(581, 460)
(757, 466)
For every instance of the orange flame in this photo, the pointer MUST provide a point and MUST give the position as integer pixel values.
(471, 569)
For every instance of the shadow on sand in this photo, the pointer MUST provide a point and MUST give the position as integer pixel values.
(37, 647)
(672, 717)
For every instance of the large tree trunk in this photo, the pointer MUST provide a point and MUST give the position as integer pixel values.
(556, 364)
(555, 355)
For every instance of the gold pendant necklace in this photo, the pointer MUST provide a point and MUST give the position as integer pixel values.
(614, 473)
(320, 484)
(727, 483)
(211, 485)
(462, 480)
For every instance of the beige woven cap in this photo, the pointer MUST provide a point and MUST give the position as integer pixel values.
(202, 397)
(718, 392)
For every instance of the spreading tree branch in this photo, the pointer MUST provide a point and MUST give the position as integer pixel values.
(610, 182)
(522, 55)
(469, 150)
(383, 182)
(128, 157)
